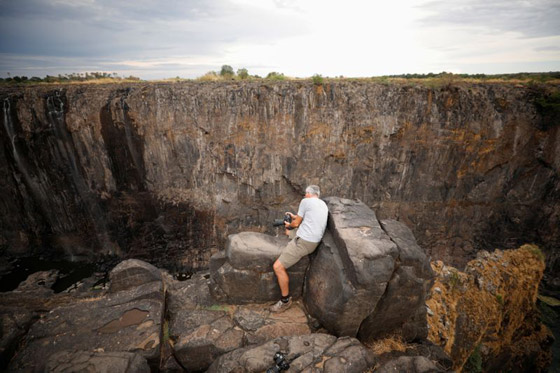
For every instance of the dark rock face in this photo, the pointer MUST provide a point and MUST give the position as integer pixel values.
(165, 172)
(15, 324)
(367, 280)
(244, 274)
(308, 353)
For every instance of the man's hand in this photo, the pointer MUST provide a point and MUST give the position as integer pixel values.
(296, 220)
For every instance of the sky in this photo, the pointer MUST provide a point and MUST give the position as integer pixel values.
(154, 39)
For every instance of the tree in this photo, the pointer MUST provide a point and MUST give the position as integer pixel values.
(242, 73)
(227, 71)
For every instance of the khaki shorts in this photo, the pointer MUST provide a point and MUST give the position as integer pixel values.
(295, 250)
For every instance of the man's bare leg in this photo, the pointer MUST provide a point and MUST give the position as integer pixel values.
(283, 278)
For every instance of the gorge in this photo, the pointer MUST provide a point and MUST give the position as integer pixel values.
(166, 171)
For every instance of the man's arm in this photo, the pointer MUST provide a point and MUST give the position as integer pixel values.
(296, 221)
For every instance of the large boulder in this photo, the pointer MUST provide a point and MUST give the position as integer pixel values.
(402, 305)
(308, 353)
(366, 278)
(243, 272)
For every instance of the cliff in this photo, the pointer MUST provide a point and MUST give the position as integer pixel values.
(165, 171)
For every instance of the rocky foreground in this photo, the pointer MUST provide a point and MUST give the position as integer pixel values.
(367, 299)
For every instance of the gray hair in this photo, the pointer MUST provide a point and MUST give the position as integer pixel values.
(313, 189)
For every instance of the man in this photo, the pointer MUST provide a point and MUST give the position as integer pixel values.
(311, 221)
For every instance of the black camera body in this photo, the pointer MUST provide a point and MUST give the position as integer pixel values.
(280, 222)
(280, 363)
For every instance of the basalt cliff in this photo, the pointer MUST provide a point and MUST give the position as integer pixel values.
(166, 171)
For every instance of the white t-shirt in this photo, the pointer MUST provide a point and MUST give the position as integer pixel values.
(314, 213)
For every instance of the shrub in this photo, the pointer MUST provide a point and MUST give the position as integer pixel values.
(534, 250)
(474, 362)
(210, 76)
(500, 299)
(275, 76)
(165, 331)
(549, 107)
(317, 79)
(454, 279)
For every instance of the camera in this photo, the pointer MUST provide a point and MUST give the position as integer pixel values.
(280, 363)
(280, 222)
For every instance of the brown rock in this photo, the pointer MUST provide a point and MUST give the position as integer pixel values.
(366, 280)
(132, 273)
(129, 320)
(244, 274)
(488, 308)
(90, 361)
(308, 353)
(201, 336)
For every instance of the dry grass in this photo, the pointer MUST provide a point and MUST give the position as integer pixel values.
(78, 82)
(391, 343)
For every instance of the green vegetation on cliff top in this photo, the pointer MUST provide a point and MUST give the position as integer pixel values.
(227, 73)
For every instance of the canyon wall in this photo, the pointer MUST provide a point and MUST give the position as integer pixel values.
(165, 171)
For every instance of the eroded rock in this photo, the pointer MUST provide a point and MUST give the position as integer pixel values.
(202, 329)
(97, 361)
(202, 336)
(417, 364)
(131, 273)
(14, 324)
(39, 283)
(308, 353)
(402, 305)
(243, 273)
(489, 310)
(128, 320)
(364, 281)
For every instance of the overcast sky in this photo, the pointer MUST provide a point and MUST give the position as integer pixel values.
(163, 39)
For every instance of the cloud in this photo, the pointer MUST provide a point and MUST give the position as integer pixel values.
(157, 39)
(531, 19)
(137, 29)
(548, 48)
(96, 11)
